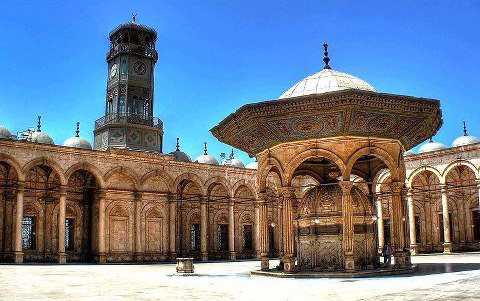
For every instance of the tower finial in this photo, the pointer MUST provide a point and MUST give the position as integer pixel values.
(77, 132)
(431, 139)
(232, 155)
(326, 59)
(464, 129)
(178, 144)
(39, 124)
(205, 148)
(134, 16)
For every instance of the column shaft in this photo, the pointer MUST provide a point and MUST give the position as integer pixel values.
(172, 226)
(263, 218)
(18, 251)
(398, 236)
(288, 229)
(231, 229)
(138, 226)
(348, 226)
(101, 228)
(411, 220)
(447, 244)
(62, 257)
(381, 234)
(257, 230)
(203, 229)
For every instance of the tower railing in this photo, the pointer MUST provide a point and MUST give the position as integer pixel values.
(132, 48)
(124, 118)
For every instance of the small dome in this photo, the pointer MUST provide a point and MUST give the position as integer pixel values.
(5, 133)
(41, 137)
(206, 159)
(252, 165)
(408, 153)
(78, 142)
(465, 140)
(431, 146)
(327, 80)
(237, 163)
(181, 156)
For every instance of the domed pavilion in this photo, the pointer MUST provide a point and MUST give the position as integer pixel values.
(324, 141)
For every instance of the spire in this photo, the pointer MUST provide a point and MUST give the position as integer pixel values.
(464, 129)
(326, 59)
(178, 145)
(77, 132)
(232, 156)
(205, 148)
(134, 17)
(39, 124)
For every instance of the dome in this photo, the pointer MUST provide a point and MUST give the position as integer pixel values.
(409, 153)
(206, 159)
(237, 163)
(41, 137)
(179, 155)
(231, 161)
(465, 139)
(431, 146)
(5, 133)
(327, 80)
(78, 142)
(252, 165)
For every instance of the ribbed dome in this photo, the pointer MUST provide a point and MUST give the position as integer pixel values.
(181, 156)
(409, 153)
(252, 165)
(431, 146)
(77, 142)
(327, 80)
(206, 159)
(465, 140)
(5, 133)
(41, 137)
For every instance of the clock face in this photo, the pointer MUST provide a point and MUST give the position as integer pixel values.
(139, 68)
(113, 70)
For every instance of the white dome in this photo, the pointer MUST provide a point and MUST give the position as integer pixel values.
(252, 165)
(237, 163)
(327, 80)
(181, 156)
(408, 153)
(206, 159)
(431, 146)
(78, 142)
(465, 140)
(41, 137)
(5, 133)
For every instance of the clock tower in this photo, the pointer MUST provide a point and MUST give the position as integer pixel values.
(128, 121)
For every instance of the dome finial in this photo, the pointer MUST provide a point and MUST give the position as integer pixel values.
(326, 59)
(77, 132)
(178, 144)
(134, 17)
(39, 124)
(205, 148)
(431, 140)
(232, 155)
(464, 129)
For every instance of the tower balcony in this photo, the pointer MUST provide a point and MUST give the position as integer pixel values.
(132, 48)
(129, 118)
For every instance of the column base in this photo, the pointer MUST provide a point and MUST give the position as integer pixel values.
(172, 256)
(289, 264)
(400, 260)
(413, 249)
(233, 256)
(138, 257)
(447, 247)
(265, 264)
(349, 263)
(18, 257)
(102, 258)
(204, 256)
(62, 258)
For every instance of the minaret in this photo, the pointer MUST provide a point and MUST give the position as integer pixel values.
(128, 121)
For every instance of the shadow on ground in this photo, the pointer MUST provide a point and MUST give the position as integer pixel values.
(439, 268)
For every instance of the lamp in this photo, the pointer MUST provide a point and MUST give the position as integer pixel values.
(273, 224)
(317, 220)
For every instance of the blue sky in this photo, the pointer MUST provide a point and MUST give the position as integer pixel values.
(215, 56)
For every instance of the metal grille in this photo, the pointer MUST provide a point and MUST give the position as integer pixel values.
(28, 232)
(69, 234)
(195, 237)
(222, 237)
(247, 237)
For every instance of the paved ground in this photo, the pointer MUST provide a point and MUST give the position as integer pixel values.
(441, 277)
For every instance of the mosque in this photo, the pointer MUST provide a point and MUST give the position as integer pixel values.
(333, 180)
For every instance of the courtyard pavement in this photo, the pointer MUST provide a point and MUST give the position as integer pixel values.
(440, 277)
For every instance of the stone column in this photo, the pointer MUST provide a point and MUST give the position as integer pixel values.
(263, 231)
(348, 226)
(172, 226)
(231, 229)
(381, 234)
(17, 250)
(138, 225)
(62, 256)
(447, 243)
(101, 227)
(203, 228)
(411, 220)
(257, 229)
(288, 194)
(398, 238)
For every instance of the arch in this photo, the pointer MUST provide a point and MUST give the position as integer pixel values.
(457, 163)
(166, 178)
(379, 153)
(271, 164)
(50, 163)
(419, 170)
(13, 163)
(130, 173)
(217, 180)
(295, 162)
(88, 167)
(191, 178)
(379, 178)
(242, 183)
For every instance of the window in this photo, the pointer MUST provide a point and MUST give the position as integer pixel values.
(247, 237)
(386, 231)
(69, 234)
(476, 224)
(418, 229)
(195, 237)
(28, 233)
(222, 237)
(121, 105)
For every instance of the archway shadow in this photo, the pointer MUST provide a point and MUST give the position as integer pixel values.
(439, 268)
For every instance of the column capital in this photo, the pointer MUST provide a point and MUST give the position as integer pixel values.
(346, 186)
(20, 186)
(261, 197)
(443, 188)
(478, 183)
(231, 201)
(63, 190)
(203, 199)
(288, 191)
(102, 193)
(409, 192)
(138, 195)
(397, 187)
(171, 197)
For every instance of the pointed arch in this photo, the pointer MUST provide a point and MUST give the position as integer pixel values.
(396, 170)
(130, 173)
(15, 164)
(88, 167)
(218, 180)
(47, 162)
(191, 178)
(165, 177)
(457, 163)
(419, 170)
